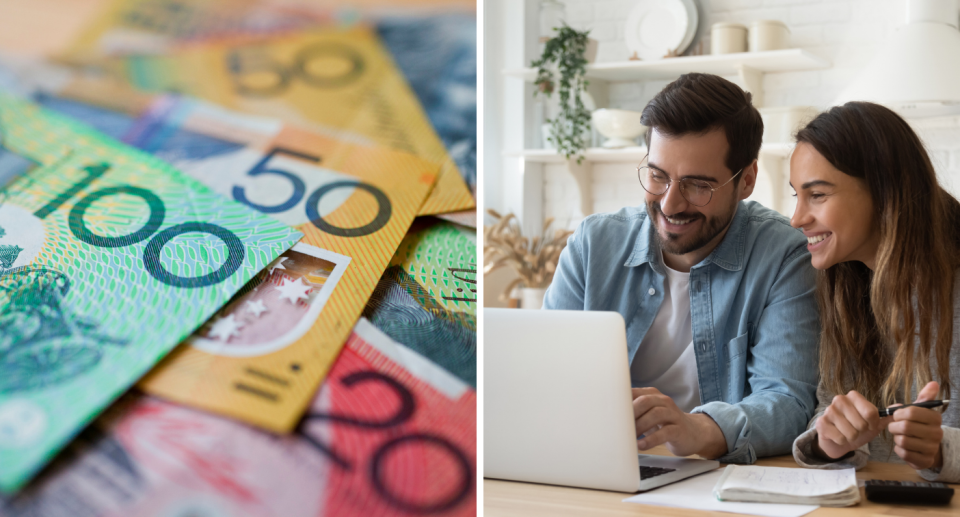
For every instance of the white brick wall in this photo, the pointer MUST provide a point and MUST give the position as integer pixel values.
(847, 32)
(614, 185)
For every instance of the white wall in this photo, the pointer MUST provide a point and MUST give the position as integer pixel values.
(513, 23)
(492, 103)
(847, 32)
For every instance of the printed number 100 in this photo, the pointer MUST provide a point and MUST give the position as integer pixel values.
(151, 254)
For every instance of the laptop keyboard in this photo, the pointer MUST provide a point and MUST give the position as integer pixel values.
(650, 472)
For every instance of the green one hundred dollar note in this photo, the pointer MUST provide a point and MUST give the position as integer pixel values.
(108, 258)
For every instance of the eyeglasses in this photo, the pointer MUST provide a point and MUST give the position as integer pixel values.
(696, 192)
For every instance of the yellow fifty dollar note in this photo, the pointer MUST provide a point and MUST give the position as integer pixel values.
(335, 78)
(262, 356)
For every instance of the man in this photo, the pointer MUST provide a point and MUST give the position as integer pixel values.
(717, 293)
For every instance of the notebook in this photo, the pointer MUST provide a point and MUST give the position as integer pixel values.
(749, 483)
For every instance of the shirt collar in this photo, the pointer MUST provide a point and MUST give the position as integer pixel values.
(728, 254)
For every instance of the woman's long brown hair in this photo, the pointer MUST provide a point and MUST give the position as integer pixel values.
(908, 300)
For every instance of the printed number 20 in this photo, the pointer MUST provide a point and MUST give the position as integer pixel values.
(384, 208)
(151, 254)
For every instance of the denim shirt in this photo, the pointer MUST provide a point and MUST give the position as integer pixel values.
(755, 320)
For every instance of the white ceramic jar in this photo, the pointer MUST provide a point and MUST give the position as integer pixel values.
(728, 38)
(532, 297)
(768, 35)
(781, 123)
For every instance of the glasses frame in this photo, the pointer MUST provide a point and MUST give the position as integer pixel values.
(670, 183)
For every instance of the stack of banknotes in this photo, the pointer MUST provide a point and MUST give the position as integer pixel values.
(238, 265)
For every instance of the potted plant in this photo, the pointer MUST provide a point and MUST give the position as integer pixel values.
(566, 54)
(535, 260)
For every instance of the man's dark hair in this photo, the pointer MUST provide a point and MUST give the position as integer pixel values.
(699, 103)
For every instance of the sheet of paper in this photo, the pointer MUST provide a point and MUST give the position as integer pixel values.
(796, 482)
(697, 493)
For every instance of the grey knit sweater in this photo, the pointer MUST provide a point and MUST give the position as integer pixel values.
(881, 448)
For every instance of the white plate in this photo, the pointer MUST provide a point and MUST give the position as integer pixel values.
(655, 27)
(694, 21)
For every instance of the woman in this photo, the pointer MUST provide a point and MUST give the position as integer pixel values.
(886, 238)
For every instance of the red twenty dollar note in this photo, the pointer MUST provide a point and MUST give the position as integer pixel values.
(401, 431)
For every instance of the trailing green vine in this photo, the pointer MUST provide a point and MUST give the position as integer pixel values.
(572, 126)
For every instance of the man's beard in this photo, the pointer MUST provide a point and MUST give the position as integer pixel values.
(712, 227)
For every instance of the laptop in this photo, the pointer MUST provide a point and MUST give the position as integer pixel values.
(557, 406)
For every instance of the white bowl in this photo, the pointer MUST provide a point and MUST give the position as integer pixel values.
(621, 127)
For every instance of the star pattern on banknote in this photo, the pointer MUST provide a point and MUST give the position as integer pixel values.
(278, 264)
(293, 290)
(255, 307)
(225, 328)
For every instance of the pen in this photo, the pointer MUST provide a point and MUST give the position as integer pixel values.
(928, 404)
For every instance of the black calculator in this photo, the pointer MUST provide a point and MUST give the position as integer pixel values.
(907, 492)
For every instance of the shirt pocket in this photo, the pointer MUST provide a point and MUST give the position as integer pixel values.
(737, 348)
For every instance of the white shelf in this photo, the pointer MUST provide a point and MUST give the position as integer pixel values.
(593, 154)
(628, 154)
(725, 64)
(772, 163)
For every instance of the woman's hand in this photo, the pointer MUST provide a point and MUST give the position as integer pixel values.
(849, 422)
(916, 432)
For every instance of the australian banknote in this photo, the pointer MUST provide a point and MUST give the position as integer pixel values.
(435, 51)
(438, 56)
(109, 257)
(260, 359)
(427, 298)
(326, 78)
(389, 433)
(160, 26)
(157, 26)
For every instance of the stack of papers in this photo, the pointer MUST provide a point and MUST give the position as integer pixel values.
(749, 483)
(696, 493)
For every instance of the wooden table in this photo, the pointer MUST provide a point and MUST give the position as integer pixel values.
(507, 498)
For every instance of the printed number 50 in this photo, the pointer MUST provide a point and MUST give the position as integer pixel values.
(384, 208)
(256, 62)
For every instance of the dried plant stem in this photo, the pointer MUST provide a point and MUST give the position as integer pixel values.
(535, 260)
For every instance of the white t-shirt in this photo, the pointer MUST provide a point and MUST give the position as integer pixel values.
(666, 359)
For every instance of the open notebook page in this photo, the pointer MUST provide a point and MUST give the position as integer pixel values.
(787, 481)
